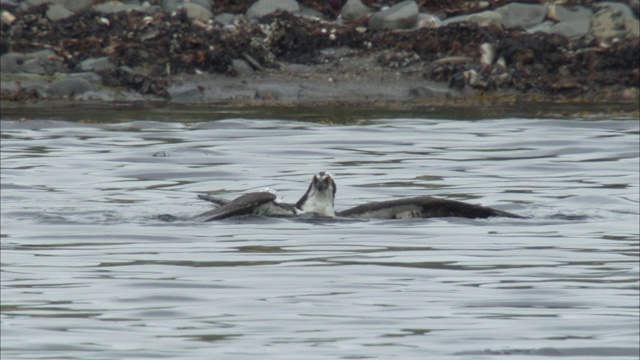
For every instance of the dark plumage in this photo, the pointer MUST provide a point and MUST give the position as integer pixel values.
(422, 207)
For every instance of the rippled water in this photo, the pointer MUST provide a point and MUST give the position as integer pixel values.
(90, 272)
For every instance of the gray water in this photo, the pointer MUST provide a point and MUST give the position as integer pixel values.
(90, 271)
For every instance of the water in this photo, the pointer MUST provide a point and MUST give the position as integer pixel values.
(90, 272)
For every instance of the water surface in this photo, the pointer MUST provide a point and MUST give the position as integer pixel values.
(89, 270)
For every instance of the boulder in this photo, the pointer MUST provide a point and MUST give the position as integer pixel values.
(403, 15)
(263, 7)
(519, 15)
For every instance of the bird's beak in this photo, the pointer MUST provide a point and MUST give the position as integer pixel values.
(324, 183)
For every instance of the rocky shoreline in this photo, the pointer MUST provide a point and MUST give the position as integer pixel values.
(275, 52)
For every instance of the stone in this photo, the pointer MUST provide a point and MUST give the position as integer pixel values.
(354, 10)
(169, 6)
(485, 18)
(69, 87)
(207, 4)
(96, 64)
(11, 63)
(197, 12)
(633, 27)
(403, 15)
(185, 93)
(225, 18)
(113, 7)
(77, 5)
(523, 16)
(574, 22)
(263, 7)
(607, 24)
(311, 13)
(621, 8)
(241, 67)
(428, 21)
(58, 12)
(38, 62)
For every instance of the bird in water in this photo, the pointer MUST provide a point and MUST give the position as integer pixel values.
(320, 197)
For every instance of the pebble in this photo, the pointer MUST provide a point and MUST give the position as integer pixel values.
(354, 10)
(241, 67)
(485, 18)
(58, 12)
(523, 16)
(185, 93)
(197, 12)
(114, 7)
(403, 15)
(96, 64)
(38, 62)
(263, 7)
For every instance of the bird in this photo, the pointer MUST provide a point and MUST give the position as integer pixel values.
(320, 198)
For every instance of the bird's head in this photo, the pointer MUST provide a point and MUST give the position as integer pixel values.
(319, 196)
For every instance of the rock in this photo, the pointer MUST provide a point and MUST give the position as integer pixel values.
(518, 15)
(484, 18)
(354, 10)
(11, 63)
(403, 15)
(207, 4)
(77, 5)
(241, 67)
(311, 13)
(621, 8)
(197, 12)
(225, 18)
(185, 93)
(428, 21)
(487, 54)
(7, 17)
(113, 7)
(607, 24)
(38, 62)
(58, 12)
(169, 6)
(96, 64)
(574, 22)
(263, 7)
(69, 87)
(633, 27)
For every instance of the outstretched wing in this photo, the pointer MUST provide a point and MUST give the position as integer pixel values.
(422, 207)
(213, 199)
(256, 203)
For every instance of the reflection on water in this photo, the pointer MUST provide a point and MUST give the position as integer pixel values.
(89, 270)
